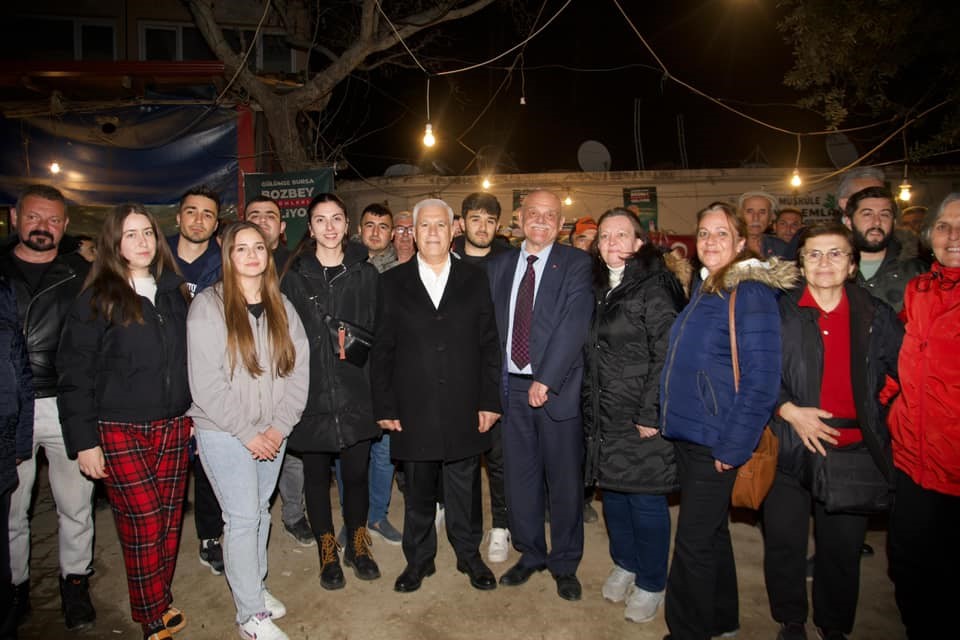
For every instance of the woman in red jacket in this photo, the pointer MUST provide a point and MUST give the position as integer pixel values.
(925, 429)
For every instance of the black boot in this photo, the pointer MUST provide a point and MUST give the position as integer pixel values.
(78, 611)
(331, 575)
(357, 555)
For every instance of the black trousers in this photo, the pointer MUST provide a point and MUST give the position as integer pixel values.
(924, 559)
(701, 598)
(498, 496)
(836, 576)
(463, 512)
(207, 514)
(356, 491)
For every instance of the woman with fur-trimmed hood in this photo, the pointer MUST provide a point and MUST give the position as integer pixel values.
(715, 427)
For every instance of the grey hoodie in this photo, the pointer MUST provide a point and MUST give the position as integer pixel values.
(242, 406)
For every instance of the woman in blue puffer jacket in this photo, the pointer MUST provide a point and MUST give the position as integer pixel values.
(715, 427)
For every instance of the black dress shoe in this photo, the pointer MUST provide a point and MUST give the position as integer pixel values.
(866, 550)
(518, 574)
(412, 577)
(568, 587)
(480, 575)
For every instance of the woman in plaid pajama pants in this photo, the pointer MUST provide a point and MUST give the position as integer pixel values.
(249, 374)
(123, 395)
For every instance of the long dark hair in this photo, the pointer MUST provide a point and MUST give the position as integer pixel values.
(109, 278)
(308, 244)
(600, 273)
(240, 342)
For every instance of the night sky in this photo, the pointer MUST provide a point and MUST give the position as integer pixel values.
(730, 49)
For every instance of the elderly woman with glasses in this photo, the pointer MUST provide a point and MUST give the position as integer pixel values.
(925, 429)
(839, 344)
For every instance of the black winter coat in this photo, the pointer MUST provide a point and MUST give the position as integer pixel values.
(875, 337)
(42, 312)
(16, 392)
(434, 368)
(625, 353)
(115, 373)
(339, 412)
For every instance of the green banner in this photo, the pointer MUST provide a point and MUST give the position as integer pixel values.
(643, 202)
(293, 191)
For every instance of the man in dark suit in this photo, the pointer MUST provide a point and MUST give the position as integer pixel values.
(434, 368)
(543, 302)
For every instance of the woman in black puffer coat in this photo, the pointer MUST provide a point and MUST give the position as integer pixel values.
(329, 280)
(637, 301)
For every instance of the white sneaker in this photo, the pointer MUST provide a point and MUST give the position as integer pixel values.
(642, 605)
(499, 545)
(276, 608)
(618, 584)
(261, 627)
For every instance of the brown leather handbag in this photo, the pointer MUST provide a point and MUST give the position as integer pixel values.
(755, 476)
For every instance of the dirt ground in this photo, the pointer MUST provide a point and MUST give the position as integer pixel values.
(446, 607)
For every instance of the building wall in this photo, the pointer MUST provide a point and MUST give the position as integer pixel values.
(680, 194)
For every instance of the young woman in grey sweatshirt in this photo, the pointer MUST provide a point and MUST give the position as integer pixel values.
(248, 359)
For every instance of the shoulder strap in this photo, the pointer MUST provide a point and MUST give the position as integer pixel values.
(734, 357)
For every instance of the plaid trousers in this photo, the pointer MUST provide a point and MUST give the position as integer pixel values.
(146, 482)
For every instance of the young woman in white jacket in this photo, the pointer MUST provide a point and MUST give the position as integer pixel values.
(248, 359)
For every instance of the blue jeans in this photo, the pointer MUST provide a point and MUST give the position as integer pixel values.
(243, 486)
(639, 528)
(380, 479)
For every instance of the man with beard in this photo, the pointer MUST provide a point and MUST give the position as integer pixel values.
(45, 286)
(871, 214)
(481, 214)
(198, 257)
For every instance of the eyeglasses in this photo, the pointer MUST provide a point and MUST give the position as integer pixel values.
(404, 231)
(833, 255)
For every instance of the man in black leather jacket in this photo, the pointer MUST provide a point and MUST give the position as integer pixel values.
(45, 285)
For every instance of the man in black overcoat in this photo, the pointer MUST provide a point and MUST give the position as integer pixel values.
(435, 367)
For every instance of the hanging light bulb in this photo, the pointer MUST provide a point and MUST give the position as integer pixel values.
(904, 191)
(54, 168)
(428, 139)
(795, 180)
(485, 184)
(568, 200)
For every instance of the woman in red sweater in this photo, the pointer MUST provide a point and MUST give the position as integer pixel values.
(925, 428)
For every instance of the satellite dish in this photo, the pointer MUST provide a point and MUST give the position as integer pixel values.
(398, 170)
(593, 156)
(842, 152)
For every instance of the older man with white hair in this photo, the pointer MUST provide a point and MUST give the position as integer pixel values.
(758, 208)
(435, 373)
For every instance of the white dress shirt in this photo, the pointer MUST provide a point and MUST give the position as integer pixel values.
(434, 283)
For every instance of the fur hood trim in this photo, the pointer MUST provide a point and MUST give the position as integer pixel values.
(775, 273)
